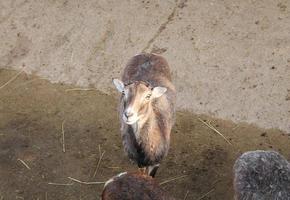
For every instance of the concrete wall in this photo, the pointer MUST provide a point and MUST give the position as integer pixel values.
(230, 59)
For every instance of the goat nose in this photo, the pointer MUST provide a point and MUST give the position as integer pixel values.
(128, 114)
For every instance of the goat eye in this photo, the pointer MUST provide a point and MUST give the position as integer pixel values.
(148, 96)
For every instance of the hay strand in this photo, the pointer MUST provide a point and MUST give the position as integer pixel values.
(62, 131)
(24, 163)
(185, 197)
(60, 184)
(215, 130)
(113, 167)
(99, 161)
(79, 89)
(85, 183)
(204, 195)
(172, 179)
(10, 80)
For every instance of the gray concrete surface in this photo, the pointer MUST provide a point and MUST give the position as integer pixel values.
(230, 59)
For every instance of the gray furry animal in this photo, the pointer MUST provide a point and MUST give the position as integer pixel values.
(262, 175)
(133, 186)
(147, 109)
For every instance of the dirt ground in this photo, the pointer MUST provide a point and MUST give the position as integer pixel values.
(32, 111)
(229, 58)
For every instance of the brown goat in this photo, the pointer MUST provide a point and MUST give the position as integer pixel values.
(147, 109)
(133, 186)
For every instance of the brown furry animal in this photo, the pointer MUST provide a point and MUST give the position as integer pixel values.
(262, 175)
(133, 186)
(147, 109)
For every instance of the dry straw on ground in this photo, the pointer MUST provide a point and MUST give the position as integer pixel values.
(80, 89)
(62, 131)
(204, 195)
(24, 163)
(10, 80)
(185, 197)
(86, 183)
(215, 130)
(60, 184)
(99, 161)
(172, 179)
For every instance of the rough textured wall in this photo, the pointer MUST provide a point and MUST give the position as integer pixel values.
(230, 59)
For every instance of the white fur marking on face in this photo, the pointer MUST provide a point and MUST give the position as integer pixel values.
(158, 91)
(129, 110)
(119, 85)
(132, 119)
(126, 93)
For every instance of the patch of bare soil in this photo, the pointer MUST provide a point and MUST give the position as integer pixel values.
(33, 110)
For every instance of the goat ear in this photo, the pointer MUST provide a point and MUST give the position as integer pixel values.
(158, 91)
(119, 85)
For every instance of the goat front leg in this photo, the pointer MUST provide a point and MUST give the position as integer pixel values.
(152, 170)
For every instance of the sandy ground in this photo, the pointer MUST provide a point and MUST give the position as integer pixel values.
(230, 59)
(33, 110)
